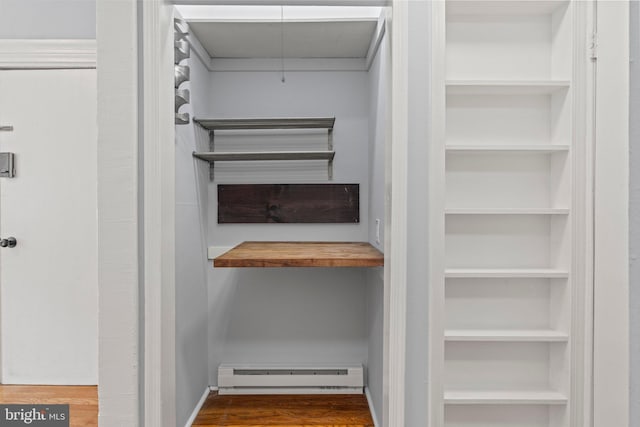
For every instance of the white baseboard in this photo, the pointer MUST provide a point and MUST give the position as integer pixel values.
(372, 408)
(194, 414)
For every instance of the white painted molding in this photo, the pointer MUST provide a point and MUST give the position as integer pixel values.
(436, 224)
(397, 238)
(203, 399)
(159, 214)
(381, 29)
(290, 64)
(372, 408)
(611, 272)
(46, 54)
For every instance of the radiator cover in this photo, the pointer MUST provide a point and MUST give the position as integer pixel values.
(281, 379)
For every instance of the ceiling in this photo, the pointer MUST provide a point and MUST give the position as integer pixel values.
(307, 39)
(289, 31)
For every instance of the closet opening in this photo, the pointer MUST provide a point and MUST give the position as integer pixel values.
(282, 115)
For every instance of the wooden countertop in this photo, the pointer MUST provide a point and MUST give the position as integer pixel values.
(301, 254)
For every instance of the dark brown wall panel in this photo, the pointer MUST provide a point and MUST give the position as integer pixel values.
(288, 203)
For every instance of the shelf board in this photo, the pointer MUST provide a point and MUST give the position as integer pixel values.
(264, 155)
(524, 149)
(506, 211)
(505, 335)
(500, 273)
(301, 254)
(267, 123)
(502, 7)
(504, 398)
(505, 87)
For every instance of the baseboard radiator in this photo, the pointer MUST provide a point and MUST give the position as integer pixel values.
(272, 379)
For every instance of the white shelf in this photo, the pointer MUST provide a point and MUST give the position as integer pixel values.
(505, 87)
(500, 273)
(524, 149)
(501, 7)
(505, 335)
(506, 211)
(264, 155)
(504, 398)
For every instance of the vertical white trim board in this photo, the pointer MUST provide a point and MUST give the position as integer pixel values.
(397, 237)
(611, 293)
(436, 194)
(159, 215)
(118, 224)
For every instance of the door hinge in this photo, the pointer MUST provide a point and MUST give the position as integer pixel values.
(593, 46)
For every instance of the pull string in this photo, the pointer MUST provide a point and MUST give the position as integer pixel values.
(282, 41)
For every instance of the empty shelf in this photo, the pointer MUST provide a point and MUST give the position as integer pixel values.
(504, 398)
(501, 7)
(301, 254)
(542, 148)
(498, 273)
(505, 87)
(268, 123)
(264, 155)
(505, 335)
(506, 211)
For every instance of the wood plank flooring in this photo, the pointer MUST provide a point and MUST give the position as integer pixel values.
(82, 400)
(342, 410)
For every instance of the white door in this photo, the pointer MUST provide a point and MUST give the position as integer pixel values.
(48, 281)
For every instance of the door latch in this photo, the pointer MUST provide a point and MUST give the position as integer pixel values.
(7, 165)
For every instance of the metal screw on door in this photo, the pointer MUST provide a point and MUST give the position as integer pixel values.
(11, 242)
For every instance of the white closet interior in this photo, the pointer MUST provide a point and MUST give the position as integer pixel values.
(272, 62)
(512, 273)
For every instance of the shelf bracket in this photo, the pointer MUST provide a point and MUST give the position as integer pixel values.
(330, 148)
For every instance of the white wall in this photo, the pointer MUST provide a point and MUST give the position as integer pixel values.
(192, 178)
(379, 74)
(47, 19)
(292, 315)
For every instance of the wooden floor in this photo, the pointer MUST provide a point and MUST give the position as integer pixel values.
(345, 410)
(82, 400)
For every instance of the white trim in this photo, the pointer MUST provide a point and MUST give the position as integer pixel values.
(372, 409)
(381, 29)
(200, 52)
(290, 64)
(196, 410)
(48, 54)
(159, 215)
(611, 293)
(436, 217)
(580, 278)
(381, 3)
(398, 237)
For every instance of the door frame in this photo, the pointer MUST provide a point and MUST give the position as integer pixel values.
(158, 189)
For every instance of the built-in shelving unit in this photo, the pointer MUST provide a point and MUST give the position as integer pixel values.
(509, 141)
(301, 254)
(267, 124)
